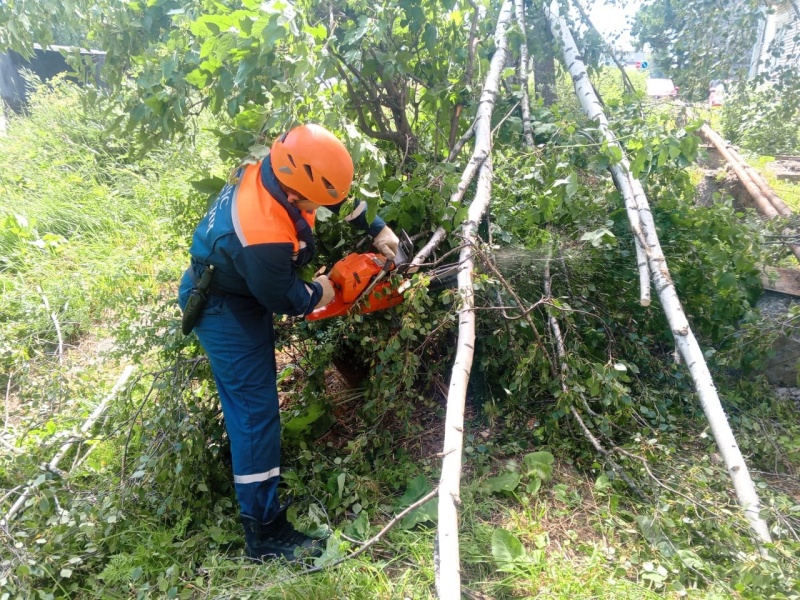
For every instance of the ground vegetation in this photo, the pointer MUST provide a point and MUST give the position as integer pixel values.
(104, 189)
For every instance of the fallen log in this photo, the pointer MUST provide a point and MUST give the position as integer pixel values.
(449, 580)
(767, 201)
(644, 230)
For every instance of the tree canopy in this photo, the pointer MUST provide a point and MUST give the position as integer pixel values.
(568, 362)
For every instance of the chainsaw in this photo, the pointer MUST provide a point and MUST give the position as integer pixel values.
(361, 282)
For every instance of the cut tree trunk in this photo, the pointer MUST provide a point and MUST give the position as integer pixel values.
(449, 583)
(524, 72)
(645, 231)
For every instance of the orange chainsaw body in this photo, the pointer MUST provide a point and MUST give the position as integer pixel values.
(349, 278)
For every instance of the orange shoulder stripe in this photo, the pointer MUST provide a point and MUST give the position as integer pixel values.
(257, 217)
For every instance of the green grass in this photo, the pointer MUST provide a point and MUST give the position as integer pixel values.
(788, 191)
(103, 233)
(82, 220)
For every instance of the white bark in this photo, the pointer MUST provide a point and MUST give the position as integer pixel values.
(85, 429)
(527, 130)
(768, 203)
(437, 238)
(54, 318)
(449, 584)
(593, 108)
(645, 231)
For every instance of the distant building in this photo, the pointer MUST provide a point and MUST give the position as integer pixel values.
(46, 63)
(778, 43)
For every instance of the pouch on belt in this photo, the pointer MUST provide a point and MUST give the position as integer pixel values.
(197, 298)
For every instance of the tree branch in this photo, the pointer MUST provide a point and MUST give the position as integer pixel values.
(523, 74)
(643, 225)
(370, 542)
(362, 119)
(450, 481)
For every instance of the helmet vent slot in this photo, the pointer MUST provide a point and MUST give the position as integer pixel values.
(329, 187)
(291, 160)
(309, 172)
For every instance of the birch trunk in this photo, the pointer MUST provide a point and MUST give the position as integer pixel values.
(645, 231)
(767, 201)
(449, 584)
(524, 74)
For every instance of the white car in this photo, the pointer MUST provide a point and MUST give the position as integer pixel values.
(661, 88)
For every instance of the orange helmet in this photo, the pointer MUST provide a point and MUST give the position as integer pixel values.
(314, 163)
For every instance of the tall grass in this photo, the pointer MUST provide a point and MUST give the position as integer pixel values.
(84, 221)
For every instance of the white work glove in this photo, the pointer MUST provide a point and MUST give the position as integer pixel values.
(327, 291)
(387, 243)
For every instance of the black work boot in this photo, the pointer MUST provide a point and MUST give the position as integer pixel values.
(278, 539)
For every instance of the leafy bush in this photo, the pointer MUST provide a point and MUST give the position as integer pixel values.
(150, 511)
(765, 120)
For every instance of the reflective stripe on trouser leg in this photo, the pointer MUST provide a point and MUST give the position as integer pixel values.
(238, 337)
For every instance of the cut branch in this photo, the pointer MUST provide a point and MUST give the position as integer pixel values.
(561, 349)
(85, 429)
(437, 238)
(449, 584)
(54, 318)
(372, 541)
(645, 231)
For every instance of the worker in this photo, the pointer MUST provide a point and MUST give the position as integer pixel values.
(250, 244)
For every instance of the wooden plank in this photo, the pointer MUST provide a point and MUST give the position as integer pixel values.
(788, 175)
(784, 281)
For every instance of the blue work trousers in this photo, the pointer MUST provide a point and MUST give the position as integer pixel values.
(237, 334)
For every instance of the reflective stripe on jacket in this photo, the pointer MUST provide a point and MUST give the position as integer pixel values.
(250, 239)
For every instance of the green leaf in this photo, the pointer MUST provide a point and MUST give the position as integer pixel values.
(534, 485)
(429, 37)
(727, 281)
(415, 490)
(209, 185)
(652, 532)
(542, 456)
(358, 528)
(427, 513)
(638, 162)
(539, 465)
(602, 482)
(505, 482)
(507, 550)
